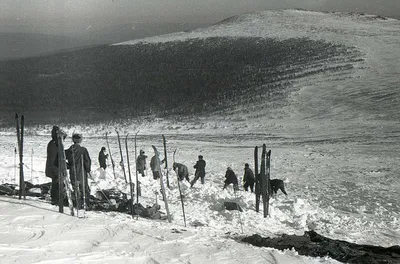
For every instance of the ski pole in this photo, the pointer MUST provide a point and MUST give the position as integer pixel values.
(15, 164)
(129, 173)
(122, 158)
(32, 167)
(137, 180)
(112, 161)
(180, 194)
(83, 187)
(76, 183)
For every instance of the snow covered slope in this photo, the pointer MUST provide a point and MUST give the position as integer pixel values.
(357, 92)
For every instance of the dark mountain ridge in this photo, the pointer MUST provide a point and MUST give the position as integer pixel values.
(173, 78)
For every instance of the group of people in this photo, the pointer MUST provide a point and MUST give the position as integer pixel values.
(183, 173)
(181, 169)
(79, 165)
(248, 179)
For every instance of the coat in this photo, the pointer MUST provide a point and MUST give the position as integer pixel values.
(141, 162)
(230, 177)
(52, 159)
(200, 168)
(182, 170)
(102, 159)
(155, 163)
(248, 176)
(74, 157)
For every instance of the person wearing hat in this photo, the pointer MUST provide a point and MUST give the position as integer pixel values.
(200, 171)
(102, 158)
(230, 177)
(51, 170)
(155, 165)
(141, 163)
(78, 158)
(248, 178)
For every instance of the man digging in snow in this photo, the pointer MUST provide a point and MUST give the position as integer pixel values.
(230, 177)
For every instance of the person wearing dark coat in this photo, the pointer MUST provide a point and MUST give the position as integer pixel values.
(51, 170)
(141, 163)
(102, 158)
(79, 164)
(181, 171)
(155, 165)
(230, 177)
(248, 178)
(200, 171)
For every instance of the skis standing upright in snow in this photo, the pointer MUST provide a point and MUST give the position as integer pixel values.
(84, 187)
(15, 164)
(122, 157)
(77, 191)
(267, 178)
(137, 179)
(165, 158)
(20, 138)
(264, 182)
(162, 183)
(129, 173)
(112, 161)
(180, 192)
(64, 180)
(257, 177)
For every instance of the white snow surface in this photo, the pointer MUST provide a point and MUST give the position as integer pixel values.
(334, 142)
(32, 230)
(326, 189)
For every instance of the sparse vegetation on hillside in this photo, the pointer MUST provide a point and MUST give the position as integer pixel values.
(193, 76)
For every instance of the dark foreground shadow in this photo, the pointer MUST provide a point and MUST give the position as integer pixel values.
(315, 245)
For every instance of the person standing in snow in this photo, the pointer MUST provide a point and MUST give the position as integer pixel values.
(141, 163)
(76, 156)
(102, 158)
(51, 170)
(248, 178)
(155, 166)
(200, 171)
(230, 177)
(181, 171)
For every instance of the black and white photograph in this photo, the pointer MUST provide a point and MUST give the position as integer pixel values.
(215, 131)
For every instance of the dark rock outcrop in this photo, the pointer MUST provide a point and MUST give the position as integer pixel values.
(315, 245)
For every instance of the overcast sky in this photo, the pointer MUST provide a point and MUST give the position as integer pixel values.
(76, 15)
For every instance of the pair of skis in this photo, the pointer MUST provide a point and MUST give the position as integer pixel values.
(63, 179)
(162, 181)
(109, 153)
(137, 180)
(130, 177)
(163, 192)
(20, 139)
(129, 170)
(263, 187)
(179, 187)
